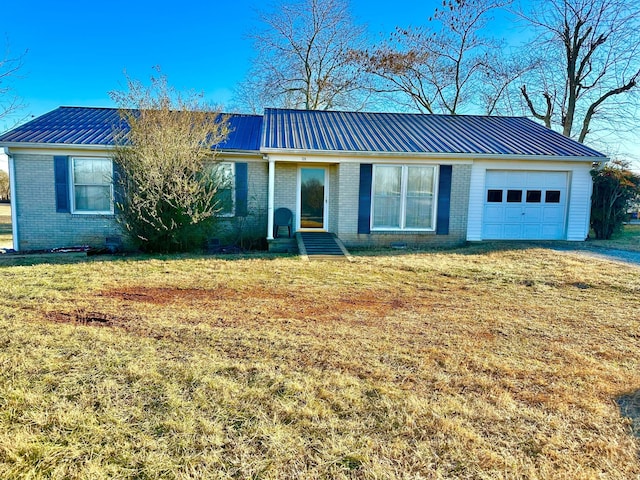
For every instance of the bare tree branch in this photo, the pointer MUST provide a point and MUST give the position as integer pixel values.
(303, 58)
(589, 53)
(440, 67)
(545, 117)
(10, 65)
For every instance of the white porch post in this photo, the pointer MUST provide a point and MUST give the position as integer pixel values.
(271, 198)
(5, 156)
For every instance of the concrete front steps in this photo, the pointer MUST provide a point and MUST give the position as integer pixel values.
(311, 246)
(321, 245)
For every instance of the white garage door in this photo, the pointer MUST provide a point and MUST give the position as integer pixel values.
(524, 205)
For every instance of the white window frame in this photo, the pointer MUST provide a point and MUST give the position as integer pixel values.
(72, 188)
(232, 213)
(403, 198)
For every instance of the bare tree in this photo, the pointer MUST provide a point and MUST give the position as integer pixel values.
(444, 67)
(168, 181)
(303, 58)
(590, 63)
(10, 103)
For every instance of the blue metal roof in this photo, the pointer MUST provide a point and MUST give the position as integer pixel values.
(327, 131)
(95, 126)
(357, 132)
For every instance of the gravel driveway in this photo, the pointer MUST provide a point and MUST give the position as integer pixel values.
(623, 256)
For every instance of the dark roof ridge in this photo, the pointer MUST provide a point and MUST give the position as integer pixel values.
(356, 112)
(115, 109)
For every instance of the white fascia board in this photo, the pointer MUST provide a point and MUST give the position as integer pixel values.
(305, 155)
(379, 157)
(235, 155)
(515, 164)
(57, 148)
(100, 150)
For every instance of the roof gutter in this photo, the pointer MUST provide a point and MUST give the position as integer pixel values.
(4, 152)
(440, 156)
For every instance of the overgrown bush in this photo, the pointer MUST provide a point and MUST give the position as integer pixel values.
(615, 188)
(167, 180)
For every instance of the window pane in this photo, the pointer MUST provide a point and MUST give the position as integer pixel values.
(419, 211)
(494, 196)
(222, 174)
(224, 201)
(514, 196)
(92, 179)
(534, 196)
(420, 181)
(386, 197)
(552, 196)
(92, 171)
(93, 198)
(419, 206)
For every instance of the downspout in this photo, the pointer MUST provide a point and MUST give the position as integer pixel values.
(4, 152)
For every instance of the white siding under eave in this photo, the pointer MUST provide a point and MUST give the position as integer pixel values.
(580, 187)
(476, 202)
(579, 203)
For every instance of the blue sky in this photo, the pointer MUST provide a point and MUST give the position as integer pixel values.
(78, 50)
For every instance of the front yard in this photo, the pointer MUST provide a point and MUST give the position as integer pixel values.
(474, 363)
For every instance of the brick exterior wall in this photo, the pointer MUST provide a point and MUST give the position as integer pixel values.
(286, 187)
(349, 184)
(250, 230)
(41, 227)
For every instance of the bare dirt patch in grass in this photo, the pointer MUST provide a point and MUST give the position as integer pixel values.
(290, 304)
(83, 318)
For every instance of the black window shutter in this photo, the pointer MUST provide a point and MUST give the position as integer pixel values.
(61, 178)
(364, 203)
(444, 200)
(242, 189)
(118, 194)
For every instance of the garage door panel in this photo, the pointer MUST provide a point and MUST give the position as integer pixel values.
(513, 231)
(552, 232)
(515, 179)
(513, 214)
(494, 213)
(552, 214)
(496, 179)
(556, 180)
(532, 214)
(532, 231)
(492, 231)
(535, 179)
(543, 216)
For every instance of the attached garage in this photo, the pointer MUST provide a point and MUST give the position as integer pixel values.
(530, 200)
(525, 205)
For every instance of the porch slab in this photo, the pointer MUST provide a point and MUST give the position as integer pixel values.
(283, 245)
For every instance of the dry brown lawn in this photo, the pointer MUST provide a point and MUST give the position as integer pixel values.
(476, 363)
